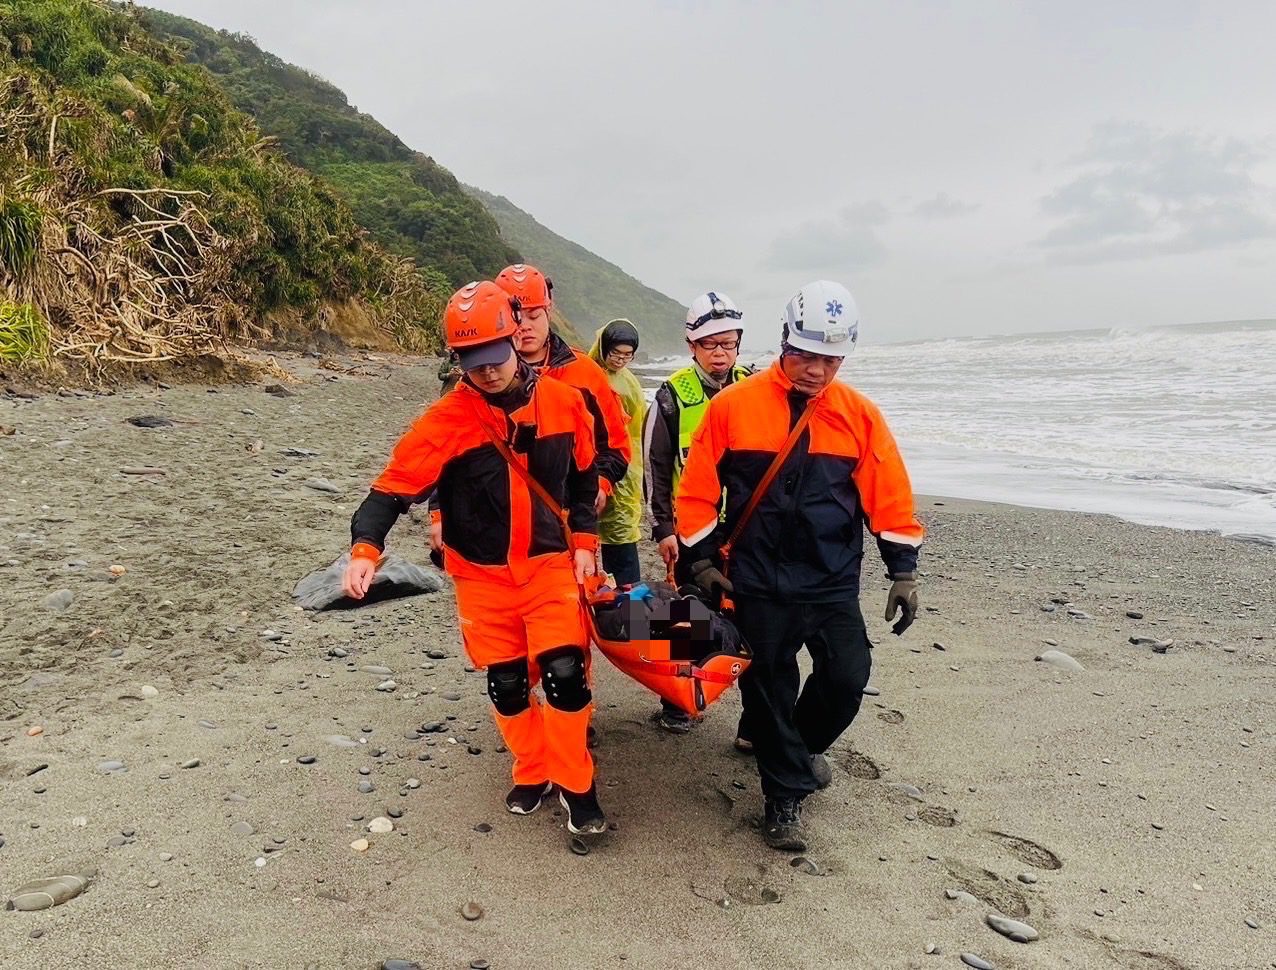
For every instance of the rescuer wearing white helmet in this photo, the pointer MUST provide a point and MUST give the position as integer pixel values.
(814, 462)
(714, 326)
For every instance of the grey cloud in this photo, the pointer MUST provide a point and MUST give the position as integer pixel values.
(1145, 192)
(943, 206)
(849, 240)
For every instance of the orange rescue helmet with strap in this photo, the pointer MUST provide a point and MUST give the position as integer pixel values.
(532, 288)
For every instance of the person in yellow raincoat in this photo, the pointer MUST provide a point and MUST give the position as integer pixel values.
(620, 525)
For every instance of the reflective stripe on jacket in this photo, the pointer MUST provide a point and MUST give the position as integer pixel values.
(692, 400)
(493, 527)
(663, 451)
(805, 542)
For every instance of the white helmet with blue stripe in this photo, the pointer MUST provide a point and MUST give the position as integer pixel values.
(822, 318)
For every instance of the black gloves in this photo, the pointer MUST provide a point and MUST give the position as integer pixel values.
(709, 577)
(902, 596)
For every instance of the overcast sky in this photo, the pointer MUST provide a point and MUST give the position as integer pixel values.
(965, 168)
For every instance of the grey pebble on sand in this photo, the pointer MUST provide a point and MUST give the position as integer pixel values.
(49, 892)
(58, 601)
(978, 962)
(322, 485)
(242, 828)
(111, 767)
(1012, 928)
(1057, 658)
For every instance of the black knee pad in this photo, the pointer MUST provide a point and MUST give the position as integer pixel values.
(508, 688)
(563, 677)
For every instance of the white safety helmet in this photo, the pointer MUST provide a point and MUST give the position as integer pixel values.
(712, 313)
(821, 319)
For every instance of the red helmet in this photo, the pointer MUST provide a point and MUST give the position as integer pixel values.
(532, 288)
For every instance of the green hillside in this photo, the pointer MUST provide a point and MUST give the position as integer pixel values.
(409, 202)
(143, 217)
(588, 289)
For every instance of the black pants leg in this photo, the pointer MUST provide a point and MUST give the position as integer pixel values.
(622, 562)
(787, 728)
(841, 661)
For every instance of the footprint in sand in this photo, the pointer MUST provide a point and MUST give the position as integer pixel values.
(750, 889)
(1146, 960)
(891, 717)
(859, 765)
(1025, 850)
(990, 888)
(937, 815)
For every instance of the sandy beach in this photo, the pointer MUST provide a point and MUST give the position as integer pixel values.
(1124, 810)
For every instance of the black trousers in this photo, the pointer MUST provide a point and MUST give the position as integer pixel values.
(622, 562)
(786, 726)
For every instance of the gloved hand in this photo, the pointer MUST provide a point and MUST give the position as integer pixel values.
(902, 596)
(709, 577)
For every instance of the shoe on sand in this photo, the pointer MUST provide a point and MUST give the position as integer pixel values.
(673, 720)
(782, 826)
(525, 799)
(820, 768)
(584, 816)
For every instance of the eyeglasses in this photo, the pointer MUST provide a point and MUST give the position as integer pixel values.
(621, 355)
(712, 345)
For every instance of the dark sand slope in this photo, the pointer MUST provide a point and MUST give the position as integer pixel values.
(1136, 797)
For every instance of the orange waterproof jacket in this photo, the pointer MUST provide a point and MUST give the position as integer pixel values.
(805, 542)
(493, 527)
(611, 429)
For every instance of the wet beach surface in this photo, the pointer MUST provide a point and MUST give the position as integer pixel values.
(253, 786)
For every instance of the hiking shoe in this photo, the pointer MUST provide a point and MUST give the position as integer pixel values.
(821, 770)
(584, 816)
(672, 719)
(525, 799)
(782, 826)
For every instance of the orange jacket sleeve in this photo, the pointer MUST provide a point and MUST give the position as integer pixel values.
(582, 481)
(409, 477)
(611, 428)
(886, 493)
(699, 499)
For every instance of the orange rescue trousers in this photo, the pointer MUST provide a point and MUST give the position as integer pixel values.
(501, 624)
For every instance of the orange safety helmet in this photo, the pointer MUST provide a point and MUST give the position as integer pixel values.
(479, 324)
(479, 313)
(532, 288)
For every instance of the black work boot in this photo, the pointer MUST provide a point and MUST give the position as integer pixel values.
(525, 799)
(820, 768)
(672, 718)
(584, 816)
(782, 826)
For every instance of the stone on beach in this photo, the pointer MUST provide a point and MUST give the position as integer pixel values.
(1057, 658)
(1012, 928)
(49, 891)
(395, 577)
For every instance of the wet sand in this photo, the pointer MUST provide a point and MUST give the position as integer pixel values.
(1137, 794)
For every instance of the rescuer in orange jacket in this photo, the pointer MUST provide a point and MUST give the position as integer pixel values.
(794, 571)
(548, 353)
(517, 582)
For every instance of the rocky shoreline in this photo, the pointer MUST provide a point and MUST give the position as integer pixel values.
(1067, 762)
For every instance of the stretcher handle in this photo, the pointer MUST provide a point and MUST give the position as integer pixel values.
(764, 485)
